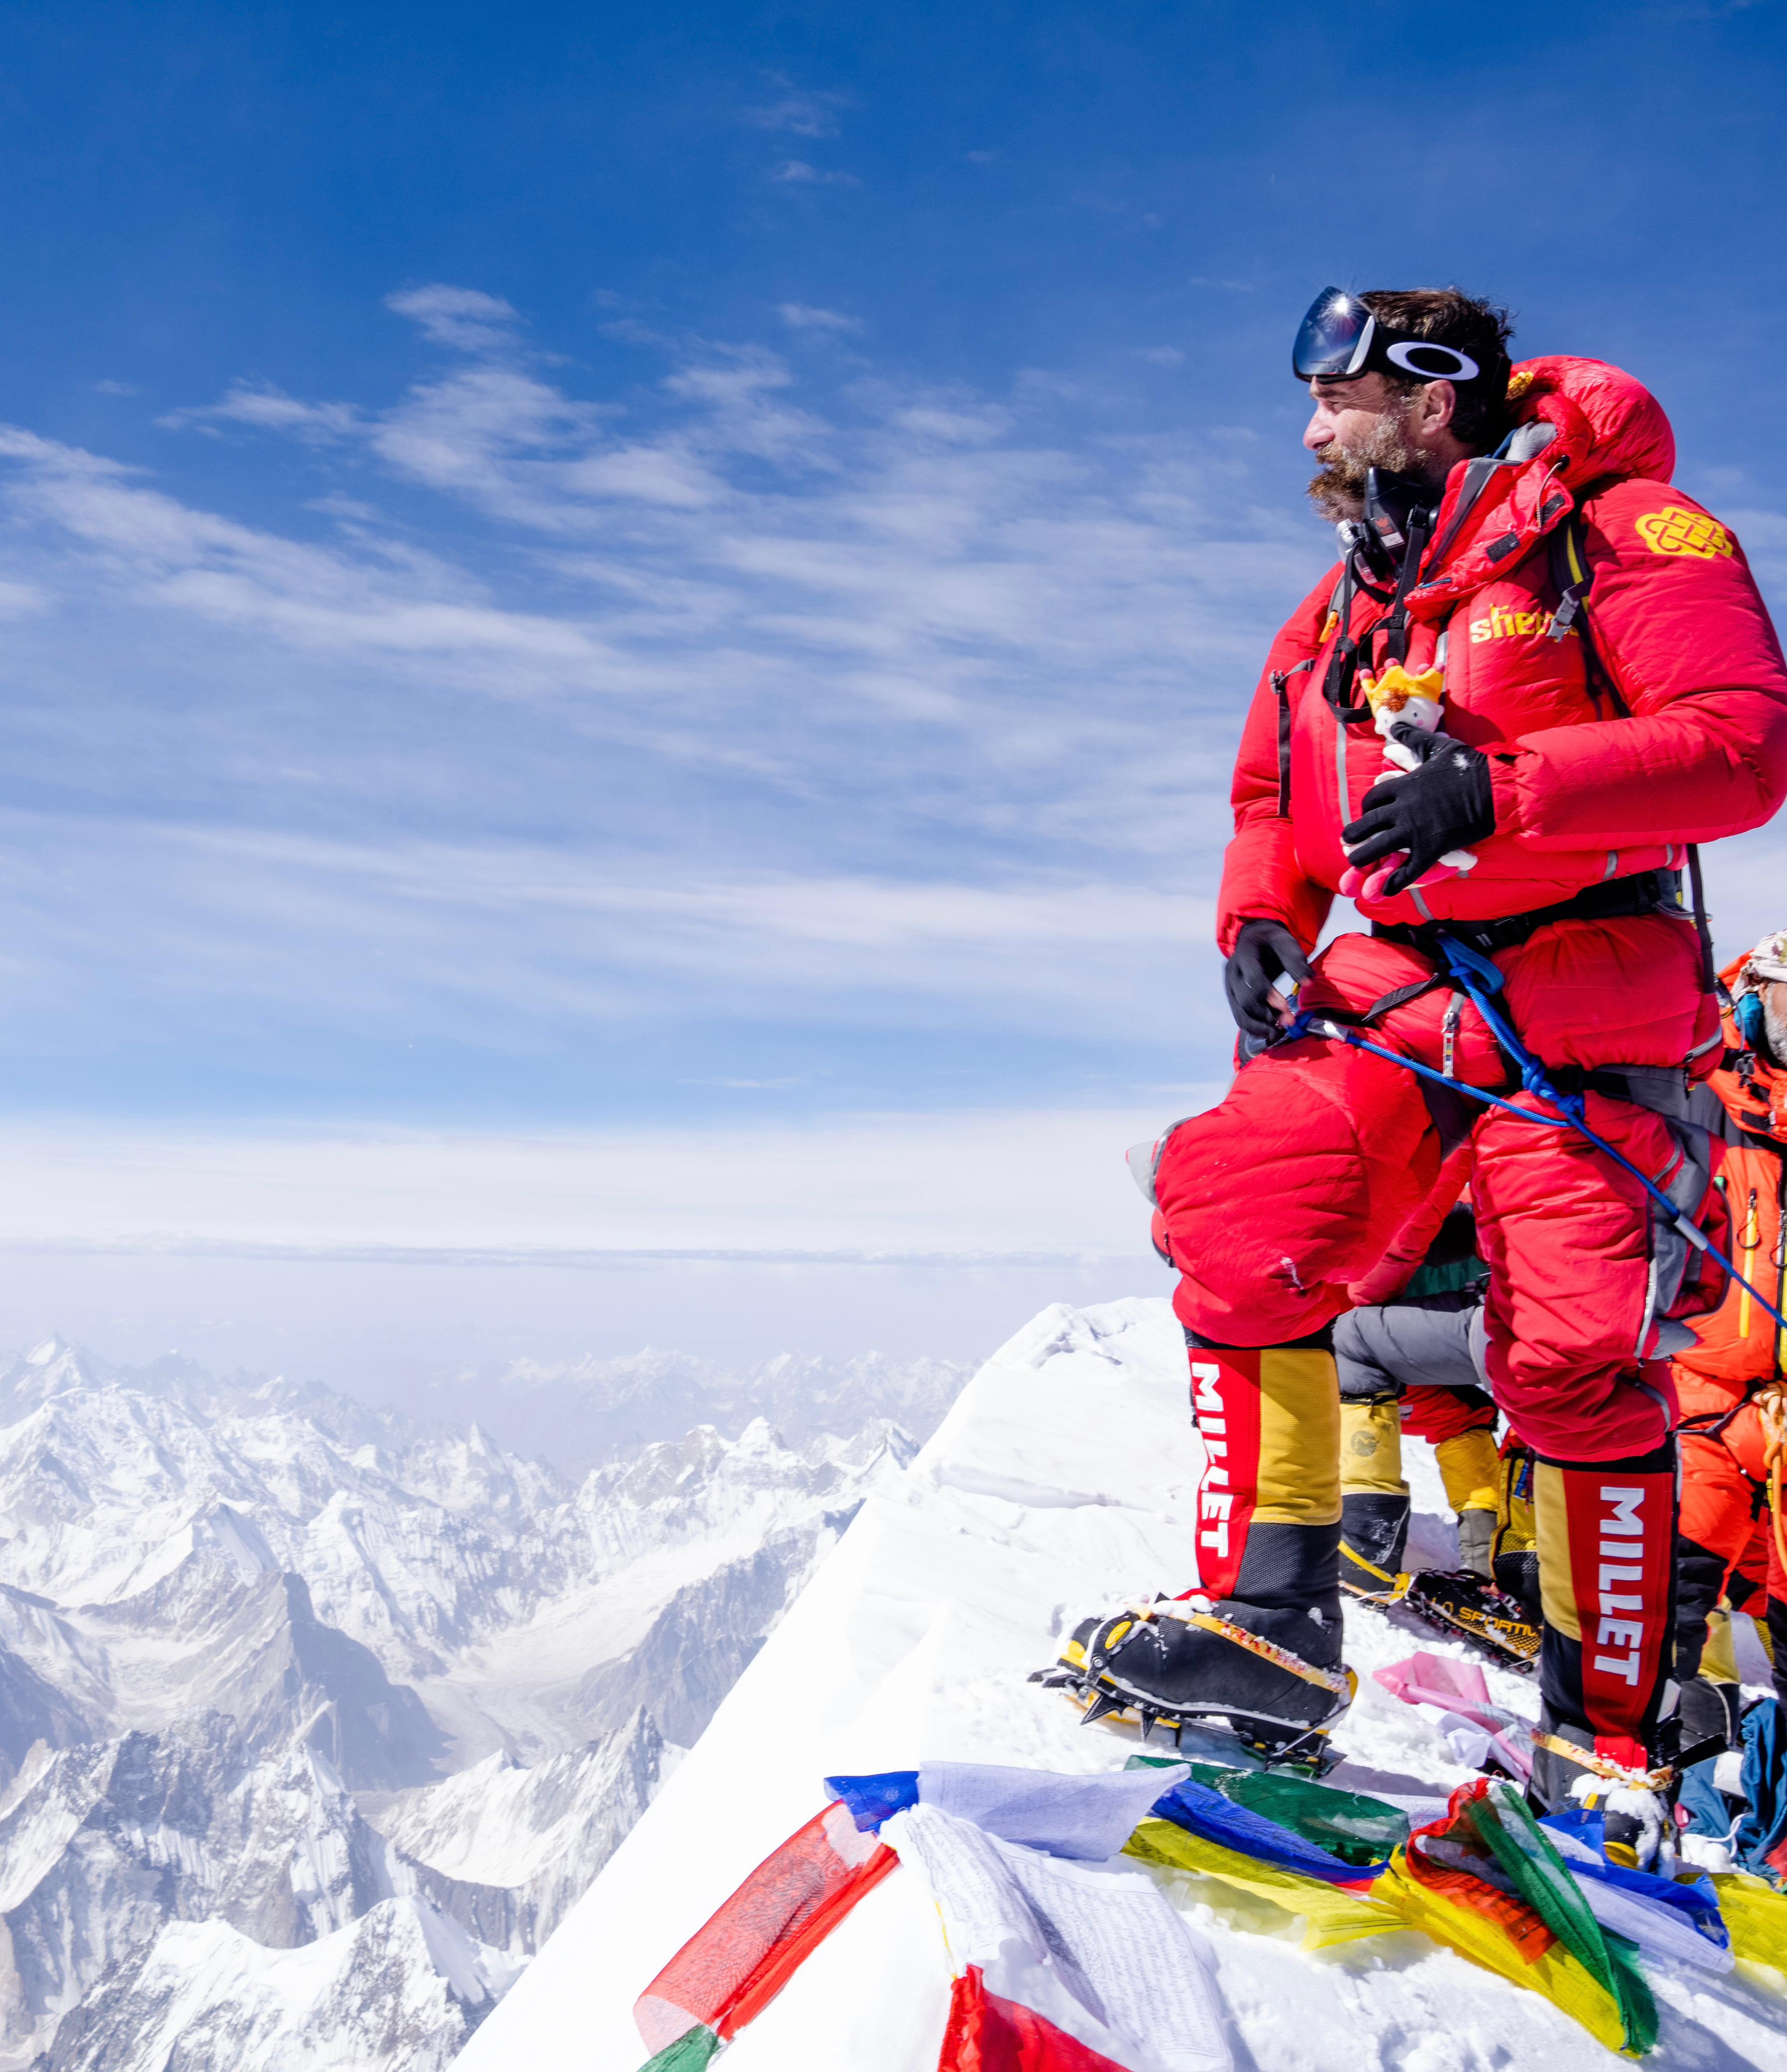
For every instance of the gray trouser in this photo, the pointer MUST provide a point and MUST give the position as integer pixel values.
(1433, 1342)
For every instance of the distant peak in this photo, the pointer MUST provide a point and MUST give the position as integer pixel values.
(51, 1349)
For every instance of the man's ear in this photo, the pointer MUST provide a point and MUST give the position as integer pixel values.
(1435, 403)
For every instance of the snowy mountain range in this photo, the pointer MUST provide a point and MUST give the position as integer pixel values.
(314, 1722)
(582, 1412)
(1064, 1480)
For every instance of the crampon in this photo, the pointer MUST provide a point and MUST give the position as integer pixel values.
(1203, 1684)
(1456, 1600)
(1460, 1602)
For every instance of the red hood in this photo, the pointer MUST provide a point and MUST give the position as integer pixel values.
(1604, 426)
(1608, 423)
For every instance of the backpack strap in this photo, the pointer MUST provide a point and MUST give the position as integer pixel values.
(1281, 690)
(1571, 575)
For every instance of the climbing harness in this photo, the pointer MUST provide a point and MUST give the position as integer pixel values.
(1478, 977)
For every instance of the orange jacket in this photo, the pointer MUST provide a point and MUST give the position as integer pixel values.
(1740, 1345)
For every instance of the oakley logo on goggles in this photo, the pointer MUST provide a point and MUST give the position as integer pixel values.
(1339, 339)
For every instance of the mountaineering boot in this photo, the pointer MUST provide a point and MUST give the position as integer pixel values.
(1712, 1700)
(1710, 1710)
(1459, 1602)
(1257, 1645)
(1476, 1542)
(1183, 1662)
(1373, 1531)
(1514, 1552)
(1608, 1736)
(1471, 1469)
(1374, 1500)
(1637, 1805)
(1469, 1600)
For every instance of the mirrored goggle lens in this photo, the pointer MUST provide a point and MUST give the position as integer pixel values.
(1334, 337)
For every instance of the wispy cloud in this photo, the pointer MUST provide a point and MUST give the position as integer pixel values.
(268, 406)
(818, 697)
(798, 172)
(495, 944)
(466, 318)
(801, 316)
(903, 557)
(798, 114)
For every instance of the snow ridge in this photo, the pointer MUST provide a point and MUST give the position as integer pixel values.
(1063, 1481)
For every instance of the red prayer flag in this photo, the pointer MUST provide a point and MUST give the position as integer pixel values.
(733, 1967)
(988, 2034)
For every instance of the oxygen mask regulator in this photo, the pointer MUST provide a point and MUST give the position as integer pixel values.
(1396, 507)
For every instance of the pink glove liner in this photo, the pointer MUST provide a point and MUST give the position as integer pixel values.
(1355, 885)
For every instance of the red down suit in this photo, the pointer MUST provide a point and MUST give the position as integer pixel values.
(1655, 716)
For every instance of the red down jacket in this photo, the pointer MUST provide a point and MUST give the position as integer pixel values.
(1582, 792)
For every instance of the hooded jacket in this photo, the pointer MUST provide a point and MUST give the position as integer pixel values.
(1656, 717)
(1740, 1344)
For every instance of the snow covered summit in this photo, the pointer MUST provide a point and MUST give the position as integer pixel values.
(1062, 1480)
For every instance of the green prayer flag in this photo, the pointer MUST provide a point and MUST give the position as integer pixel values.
(692, 2050)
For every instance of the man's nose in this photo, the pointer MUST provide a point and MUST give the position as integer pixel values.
(1319, 432)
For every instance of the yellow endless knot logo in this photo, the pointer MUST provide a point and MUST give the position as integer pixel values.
(1674, 531)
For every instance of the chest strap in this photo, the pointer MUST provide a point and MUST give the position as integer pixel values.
(1617, 898)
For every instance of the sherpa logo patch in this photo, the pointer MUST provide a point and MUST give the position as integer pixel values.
(1501, 622)
(1674, 531)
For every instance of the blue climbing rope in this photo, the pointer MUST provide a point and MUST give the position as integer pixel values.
(1480, 979)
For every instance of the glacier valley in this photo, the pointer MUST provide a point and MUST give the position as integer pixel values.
(315, 1720)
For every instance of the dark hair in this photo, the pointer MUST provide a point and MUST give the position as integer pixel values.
(1450, 317)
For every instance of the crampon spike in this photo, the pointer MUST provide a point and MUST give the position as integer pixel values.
(1103, 1705)
(1149, 1719)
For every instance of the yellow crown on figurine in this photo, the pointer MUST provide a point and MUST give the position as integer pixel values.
(1395, 687)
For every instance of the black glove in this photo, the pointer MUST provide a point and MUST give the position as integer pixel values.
(1445, 803)
(1264, 951)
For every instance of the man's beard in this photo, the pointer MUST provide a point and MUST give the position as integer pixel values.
(1774, 1027)
(1337, 488)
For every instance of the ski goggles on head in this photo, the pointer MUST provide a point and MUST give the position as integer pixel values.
(1339, 339)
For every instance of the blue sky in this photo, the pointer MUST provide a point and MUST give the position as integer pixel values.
(630, 586)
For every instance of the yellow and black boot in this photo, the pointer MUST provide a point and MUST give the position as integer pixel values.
(1471, 1600)
(1608, 1713)
(1375, 1499)
(1712, 1698)
(1254, 1649)
(1514, 1553)
(1179, 1663)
